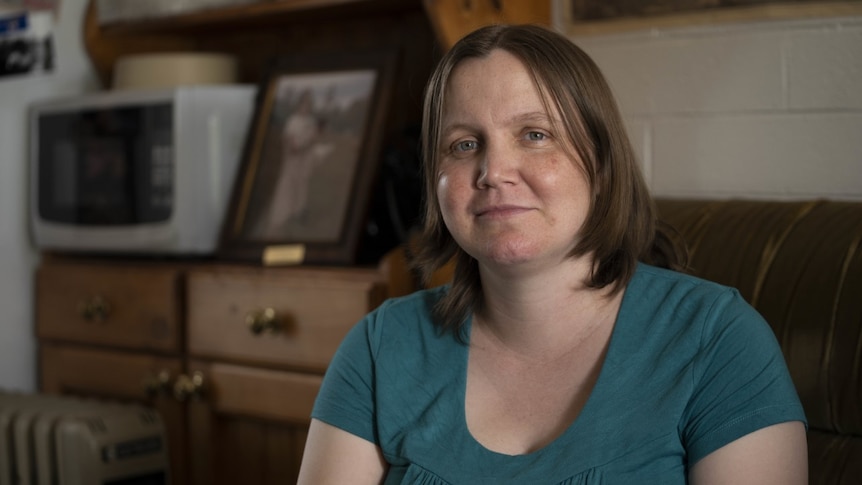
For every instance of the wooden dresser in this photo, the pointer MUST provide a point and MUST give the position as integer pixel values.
(231, 356)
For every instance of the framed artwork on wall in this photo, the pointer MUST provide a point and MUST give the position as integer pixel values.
(588, 17)
(311, 157)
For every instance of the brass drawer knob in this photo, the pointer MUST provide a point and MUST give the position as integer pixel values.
(94, 309)
(158, 384)
(186, 387)
(261, 321)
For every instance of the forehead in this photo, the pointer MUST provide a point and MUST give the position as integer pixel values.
(498, 87)
(494, 82)
(499, 68)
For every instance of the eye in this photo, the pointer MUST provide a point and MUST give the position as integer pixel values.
(465, 146)
(536, 136)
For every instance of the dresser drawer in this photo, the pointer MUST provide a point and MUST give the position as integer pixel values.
(136, 307)
(288, 318)
(276, 395)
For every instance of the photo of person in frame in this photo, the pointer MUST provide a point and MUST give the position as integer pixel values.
(309, 156)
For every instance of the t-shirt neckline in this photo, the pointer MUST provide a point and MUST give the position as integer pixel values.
(588, 412)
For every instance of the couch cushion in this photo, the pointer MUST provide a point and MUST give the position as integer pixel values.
(800, 265)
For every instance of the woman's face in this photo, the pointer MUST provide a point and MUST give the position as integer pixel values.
(509, 192)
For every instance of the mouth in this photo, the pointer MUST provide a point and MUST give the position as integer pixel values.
(500, 211)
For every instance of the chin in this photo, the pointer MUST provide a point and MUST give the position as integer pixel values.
(509, 254)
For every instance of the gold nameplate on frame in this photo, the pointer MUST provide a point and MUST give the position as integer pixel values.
(284, 254)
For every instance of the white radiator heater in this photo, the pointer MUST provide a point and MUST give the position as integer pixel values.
(57, 440)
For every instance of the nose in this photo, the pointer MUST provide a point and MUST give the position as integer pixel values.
(498, 167)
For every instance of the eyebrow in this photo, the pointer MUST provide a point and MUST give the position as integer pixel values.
(533, 116)
(528, 117)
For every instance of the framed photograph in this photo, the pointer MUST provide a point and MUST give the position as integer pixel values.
(599, 17)
(311, 157)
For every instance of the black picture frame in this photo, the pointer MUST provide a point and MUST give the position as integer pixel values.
(311, 156)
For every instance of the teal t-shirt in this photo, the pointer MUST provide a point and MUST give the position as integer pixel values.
(690, 367)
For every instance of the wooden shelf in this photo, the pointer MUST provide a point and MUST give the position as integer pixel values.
(255, 33)
(264, 13)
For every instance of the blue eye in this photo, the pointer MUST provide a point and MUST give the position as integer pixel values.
(467, 145)
(536, 136)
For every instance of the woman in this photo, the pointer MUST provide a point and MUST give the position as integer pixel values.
(561, 352)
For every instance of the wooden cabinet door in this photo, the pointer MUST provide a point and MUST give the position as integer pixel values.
(121, 376)
(249, 425)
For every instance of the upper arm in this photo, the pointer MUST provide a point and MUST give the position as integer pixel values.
(773, 455)
(335, 456)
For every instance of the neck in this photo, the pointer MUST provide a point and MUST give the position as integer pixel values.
(540, 316)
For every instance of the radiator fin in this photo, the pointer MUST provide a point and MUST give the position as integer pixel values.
(60, 440)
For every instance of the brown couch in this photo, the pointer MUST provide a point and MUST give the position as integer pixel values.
(800, 265)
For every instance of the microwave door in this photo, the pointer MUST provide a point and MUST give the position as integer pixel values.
(108, 167)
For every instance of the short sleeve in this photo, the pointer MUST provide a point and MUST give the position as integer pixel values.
(740, 379)
(346, 396)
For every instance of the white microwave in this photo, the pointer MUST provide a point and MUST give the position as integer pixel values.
(138, 172)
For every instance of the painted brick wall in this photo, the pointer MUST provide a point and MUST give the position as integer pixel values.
(767, 109)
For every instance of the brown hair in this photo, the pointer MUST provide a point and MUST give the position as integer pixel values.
(621, 228)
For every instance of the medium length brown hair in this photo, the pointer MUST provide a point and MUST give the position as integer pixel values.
(621, 228)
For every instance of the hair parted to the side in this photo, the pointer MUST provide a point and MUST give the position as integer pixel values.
(621, 228)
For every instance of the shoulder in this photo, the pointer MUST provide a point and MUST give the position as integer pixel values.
(671, 280)
(678, 304)
(401, 319)
(722, 328)
(683, 293)
(421, 302)
(417, 307)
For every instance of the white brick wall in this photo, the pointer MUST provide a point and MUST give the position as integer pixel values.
(767, 109)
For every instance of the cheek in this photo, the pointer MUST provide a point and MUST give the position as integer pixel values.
(447, 188)
(552, 181)
(444, 193)
(564, 175)
(452, 196)
(443, 184)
